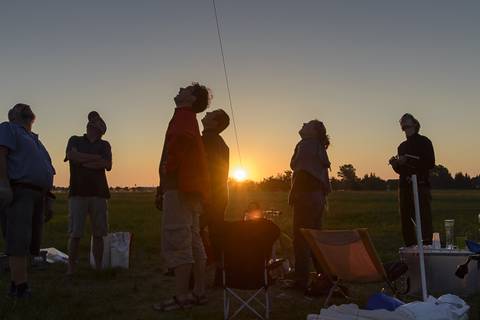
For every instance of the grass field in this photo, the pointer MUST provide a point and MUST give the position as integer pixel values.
(129, 294)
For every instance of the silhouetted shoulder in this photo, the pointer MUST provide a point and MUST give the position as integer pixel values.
(425, 139)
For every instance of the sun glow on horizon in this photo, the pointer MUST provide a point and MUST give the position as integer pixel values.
(239, 174)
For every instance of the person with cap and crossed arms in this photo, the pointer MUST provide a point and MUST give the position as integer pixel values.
(89, 157)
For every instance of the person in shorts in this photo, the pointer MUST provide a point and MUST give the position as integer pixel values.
(26, 178)
(183, 191)
(89, 157)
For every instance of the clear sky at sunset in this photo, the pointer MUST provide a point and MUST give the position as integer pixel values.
(356, 65)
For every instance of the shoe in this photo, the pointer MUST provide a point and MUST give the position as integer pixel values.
(23, 291)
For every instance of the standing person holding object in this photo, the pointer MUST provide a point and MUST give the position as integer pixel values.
(310, 187)
(415, 156)
(184, 189)
(89, 157)
(218, 155)
(26, 178)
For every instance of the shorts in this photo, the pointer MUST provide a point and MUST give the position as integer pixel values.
(22, 222)
(79, 208)
(181, 241)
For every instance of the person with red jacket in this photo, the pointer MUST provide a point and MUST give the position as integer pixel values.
(184, 189)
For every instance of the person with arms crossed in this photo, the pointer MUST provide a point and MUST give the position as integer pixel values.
(89, 157)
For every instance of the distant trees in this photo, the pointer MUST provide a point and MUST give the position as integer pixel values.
(347, 179)
(280, 182)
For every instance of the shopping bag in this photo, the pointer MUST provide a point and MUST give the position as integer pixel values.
(120, 249)
(116, 250)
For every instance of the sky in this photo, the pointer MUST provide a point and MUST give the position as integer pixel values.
(355, 65)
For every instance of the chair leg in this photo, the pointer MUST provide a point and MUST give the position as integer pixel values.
(330, 293)
(226, 304)
(267, 303)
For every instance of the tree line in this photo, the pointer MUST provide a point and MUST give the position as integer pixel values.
(347, 179)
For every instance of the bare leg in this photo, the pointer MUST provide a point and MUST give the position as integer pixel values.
(73, 245)
(98, 251)
(199, 277)
(18, 269)
(182, 279)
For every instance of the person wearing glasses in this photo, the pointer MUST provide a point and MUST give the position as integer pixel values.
(26, 179)
(415, 156)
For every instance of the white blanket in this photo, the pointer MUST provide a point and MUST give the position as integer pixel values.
(447, 307)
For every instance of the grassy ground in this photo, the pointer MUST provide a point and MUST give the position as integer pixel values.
(129, 294)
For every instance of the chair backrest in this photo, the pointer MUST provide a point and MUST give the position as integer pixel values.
(246, 247)
(346, 255)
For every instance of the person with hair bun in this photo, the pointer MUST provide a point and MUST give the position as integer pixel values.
(310, 187)
(416, 156)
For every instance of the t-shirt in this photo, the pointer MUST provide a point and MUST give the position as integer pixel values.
(184, 163)
(218, 155)
(86, 182)
(28, 161)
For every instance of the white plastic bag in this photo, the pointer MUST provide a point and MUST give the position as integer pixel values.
(446, 307)
(116, 250)
(120, 249)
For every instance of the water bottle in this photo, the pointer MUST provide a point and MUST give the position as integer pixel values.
(449, 233)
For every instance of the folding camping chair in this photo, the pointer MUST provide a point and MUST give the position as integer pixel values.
(346, 256)
(246, 250)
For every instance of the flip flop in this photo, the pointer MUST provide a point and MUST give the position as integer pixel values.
(173, 304)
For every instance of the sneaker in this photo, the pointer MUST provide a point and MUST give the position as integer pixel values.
(23, 291)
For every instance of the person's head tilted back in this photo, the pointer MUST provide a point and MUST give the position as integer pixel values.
(410, 125)
(315, 129)
(216, 121)
(195, 96)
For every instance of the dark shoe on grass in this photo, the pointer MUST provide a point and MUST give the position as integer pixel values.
(23, 291)
(173, 304)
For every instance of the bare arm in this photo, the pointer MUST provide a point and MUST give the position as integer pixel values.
(98, 164)
(79, 157)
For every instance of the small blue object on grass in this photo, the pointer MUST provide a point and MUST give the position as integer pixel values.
(473, 246)
(382, 301)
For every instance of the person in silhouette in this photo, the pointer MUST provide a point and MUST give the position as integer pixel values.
(89, 157)
(218, 154)
(416, 156)
(184, 190)
(26, 178)
(310, 187)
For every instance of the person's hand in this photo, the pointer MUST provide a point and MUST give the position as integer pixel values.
(393, 161)
(48, 209)
(159, 199)
(6, 194)
(402, 160)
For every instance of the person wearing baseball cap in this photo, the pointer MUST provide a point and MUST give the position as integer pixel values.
(89, 157)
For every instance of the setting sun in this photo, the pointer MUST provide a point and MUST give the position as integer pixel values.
(240, 174)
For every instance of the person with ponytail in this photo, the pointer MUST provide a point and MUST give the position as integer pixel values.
(310, 187)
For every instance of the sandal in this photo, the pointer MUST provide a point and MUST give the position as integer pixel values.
(200, 300)
(173, 304)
